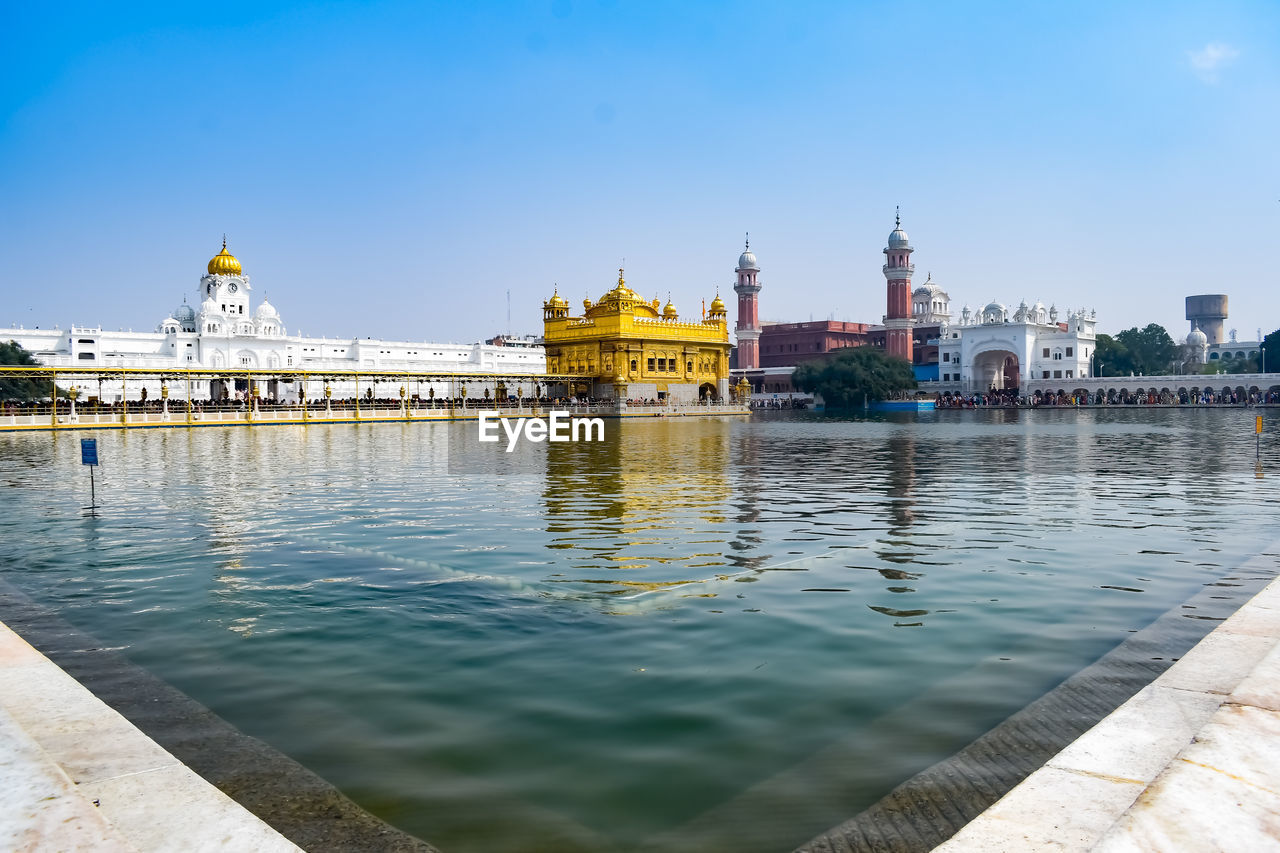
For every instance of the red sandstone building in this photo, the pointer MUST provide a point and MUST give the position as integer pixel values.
(783, 344)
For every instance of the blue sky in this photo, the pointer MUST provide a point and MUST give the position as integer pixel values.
(393, 169)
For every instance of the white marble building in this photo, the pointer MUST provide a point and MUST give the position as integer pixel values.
(993, 350)
(930, 304)
(227, 332)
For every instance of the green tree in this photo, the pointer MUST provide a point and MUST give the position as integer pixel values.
(1151, 350)
(1111, 358)
(1270, 354)
(17, 388)
(854, 375)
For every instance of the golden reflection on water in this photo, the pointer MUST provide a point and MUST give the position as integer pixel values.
(614, 505)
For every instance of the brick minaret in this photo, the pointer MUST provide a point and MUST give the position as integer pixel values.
(897, 270)
(748, 328)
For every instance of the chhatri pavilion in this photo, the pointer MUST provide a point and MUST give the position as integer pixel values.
(635, 350)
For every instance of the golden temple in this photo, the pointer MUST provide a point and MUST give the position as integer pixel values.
(636, 349)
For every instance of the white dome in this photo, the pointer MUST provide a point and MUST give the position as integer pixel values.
(930, 287)
(1197, 338)
(209, 307)
(185, 313)
(898, 239)
(747, 261)
(266, 311)
(994, 307)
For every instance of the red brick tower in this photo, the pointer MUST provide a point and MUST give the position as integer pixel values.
(748, 328)
(897, 270)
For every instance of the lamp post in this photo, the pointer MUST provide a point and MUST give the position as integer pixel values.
(404, 411)
(164, 401)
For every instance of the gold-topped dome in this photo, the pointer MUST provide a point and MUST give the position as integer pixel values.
(224, 263)
(717, 305)
(669, 311)
(557, 301)
(622, 293)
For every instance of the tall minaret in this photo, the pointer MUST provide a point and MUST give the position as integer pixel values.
(748, 328)
(897, 270)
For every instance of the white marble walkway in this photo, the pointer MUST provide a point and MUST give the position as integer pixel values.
(77, 776)
(1191, 762)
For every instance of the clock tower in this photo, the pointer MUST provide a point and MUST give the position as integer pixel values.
(226, 286)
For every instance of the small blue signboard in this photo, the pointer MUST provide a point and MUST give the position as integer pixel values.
(89, 451)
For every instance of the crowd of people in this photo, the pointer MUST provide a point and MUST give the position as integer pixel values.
(1197, 397)
(780, 403)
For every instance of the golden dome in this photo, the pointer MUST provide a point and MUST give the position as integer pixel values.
(670, 309)
(557, 301)
(224, 263)
(717, 305)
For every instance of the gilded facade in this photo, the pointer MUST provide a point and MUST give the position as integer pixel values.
(633, 349)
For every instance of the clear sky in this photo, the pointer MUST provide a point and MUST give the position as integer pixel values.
(393, 169)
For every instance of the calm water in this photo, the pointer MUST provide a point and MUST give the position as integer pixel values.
(632, 644)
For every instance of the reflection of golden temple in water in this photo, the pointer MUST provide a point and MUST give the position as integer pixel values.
(618, 516)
